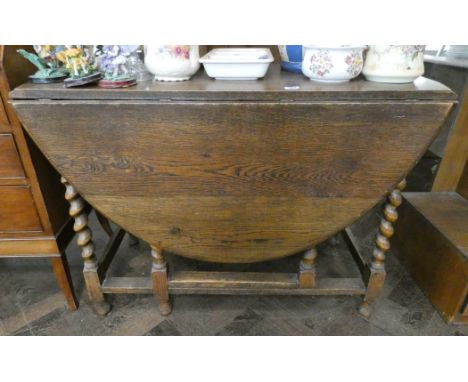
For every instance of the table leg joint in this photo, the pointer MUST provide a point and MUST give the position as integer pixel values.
(159, 279)
(307, 274)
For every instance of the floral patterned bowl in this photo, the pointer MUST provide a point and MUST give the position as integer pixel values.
(332, 64)
(172, 62)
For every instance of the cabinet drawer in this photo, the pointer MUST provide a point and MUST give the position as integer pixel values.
(10, 163)
(17, 210)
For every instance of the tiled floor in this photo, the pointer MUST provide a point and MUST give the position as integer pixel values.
(31, 303)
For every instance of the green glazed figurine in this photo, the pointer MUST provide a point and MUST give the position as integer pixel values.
(45, 60)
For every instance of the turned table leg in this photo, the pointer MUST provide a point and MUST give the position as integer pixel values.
(159, 280)
(382, 245)
(85, 241)
(307, 269)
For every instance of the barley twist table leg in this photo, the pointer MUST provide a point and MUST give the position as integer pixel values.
(382, 245)
(159, 280)
(85, 241)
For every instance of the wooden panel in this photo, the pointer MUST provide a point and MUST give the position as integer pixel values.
(233, 182)
(10, 163)
(437, 265)
(446, 211)
(29, 246)
(17, 210)
(456, 78)
(456, 152)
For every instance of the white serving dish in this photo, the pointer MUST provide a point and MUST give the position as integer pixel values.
(237, 63)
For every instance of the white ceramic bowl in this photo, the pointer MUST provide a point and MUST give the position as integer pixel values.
(394, 63)
(237, 63)
(332, 64)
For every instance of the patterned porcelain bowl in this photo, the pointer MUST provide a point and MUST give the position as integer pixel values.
(332, 64)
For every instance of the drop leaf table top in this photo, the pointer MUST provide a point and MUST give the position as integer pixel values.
(231, 171)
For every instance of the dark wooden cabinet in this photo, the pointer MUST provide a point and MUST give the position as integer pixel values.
(34, 217)
(432, 236)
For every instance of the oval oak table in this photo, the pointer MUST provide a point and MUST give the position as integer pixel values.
(234, 172)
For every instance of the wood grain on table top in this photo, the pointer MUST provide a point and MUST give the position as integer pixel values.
(276, 86)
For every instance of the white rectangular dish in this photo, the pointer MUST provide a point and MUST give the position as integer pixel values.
(237, 63)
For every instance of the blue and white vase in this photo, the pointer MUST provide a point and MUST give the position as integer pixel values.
(291, 57)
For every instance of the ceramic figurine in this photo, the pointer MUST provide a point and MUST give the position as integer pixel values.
(50, 69)
(332, 64)
(172, 62)
(394, 63)
(80, 64)
(113, 63)
(291, 57)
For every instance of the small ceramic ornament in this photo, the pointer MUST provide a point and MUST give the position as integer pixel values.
(50, 69)
(80, 65)
(113, 64)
